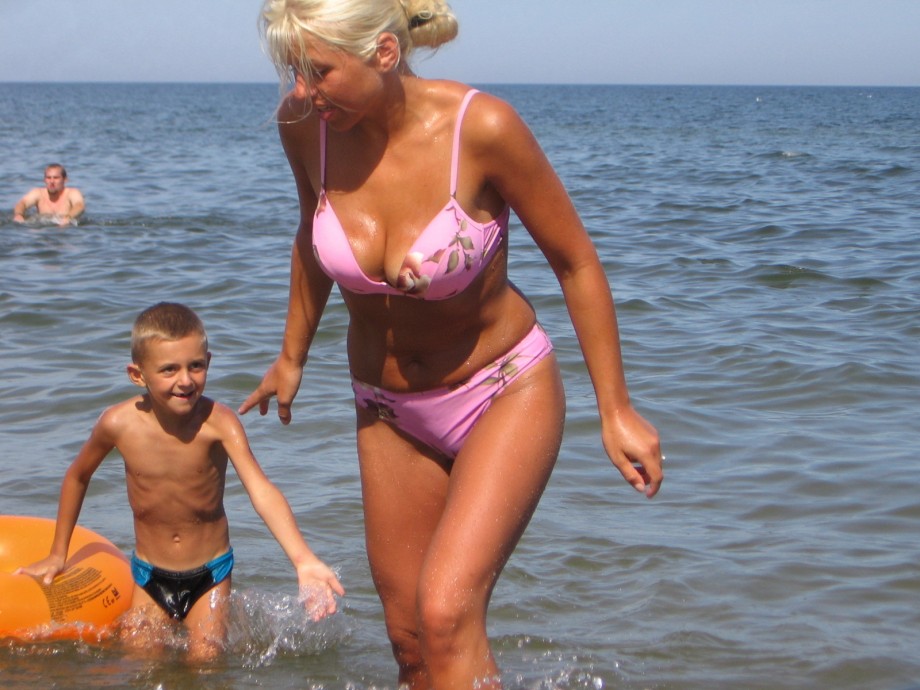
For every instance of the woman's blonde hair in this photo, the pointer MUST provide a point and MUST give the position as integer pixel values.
(353, 26)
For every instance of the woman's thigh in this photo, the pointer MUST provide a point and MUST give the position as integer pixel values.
(404, 485)
(455, 523)
(496, 482)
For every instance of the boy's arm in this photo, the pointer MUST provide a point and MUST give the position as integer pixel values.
(316, 580)
(73, 491)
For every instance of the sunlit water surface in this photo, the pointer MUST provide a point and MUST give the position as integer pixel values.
(763, 248)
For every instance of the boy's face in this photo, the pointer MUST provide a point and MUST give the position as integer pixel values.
(174, 372)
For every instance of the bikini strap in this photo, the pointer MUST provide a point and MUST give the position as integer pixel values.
(322, 155)
(455, 152)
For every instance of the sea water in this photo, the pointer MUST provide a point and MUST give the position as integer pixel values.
(762, 244)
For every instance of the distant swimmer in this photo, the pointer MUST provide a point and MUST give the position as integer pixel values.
(55, 201)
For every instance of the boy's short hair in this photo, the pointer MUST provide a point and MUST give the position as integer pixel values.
(168, 321)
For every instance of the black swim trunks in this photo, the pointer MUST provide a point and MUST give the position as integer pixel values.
(176, 592)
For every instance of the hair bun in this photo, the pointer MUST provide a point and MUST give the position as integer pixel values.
(431, 22)
(420, 19)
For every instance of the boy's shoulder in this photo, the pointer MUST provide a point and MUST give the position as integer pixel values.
(220, 416)
(120, 418)
(122, 412)
(134, 414)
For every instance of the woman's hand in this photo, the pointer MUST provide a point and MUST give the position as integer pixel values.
(633, 446)
(282, 380)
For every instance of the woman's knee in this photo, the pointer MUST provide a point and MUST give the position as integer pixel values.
(406, 647)
(448, 616)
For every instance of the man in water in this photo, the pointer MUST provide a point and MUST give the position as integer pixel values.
(55, 202)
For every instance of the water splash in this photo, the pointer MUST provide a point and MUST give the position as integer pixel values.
(261, 627)
(264, 626)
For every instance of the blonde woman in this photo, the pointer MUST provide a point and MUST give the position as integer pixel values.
(405, 188)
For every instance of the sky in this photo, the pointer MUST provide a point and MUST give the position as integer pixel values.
(756, 42)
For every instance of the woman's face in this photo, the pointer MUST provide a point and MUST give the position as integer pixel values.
(340, 85)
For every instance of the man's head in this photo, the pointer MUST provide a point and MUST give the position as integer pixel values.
(55, 178)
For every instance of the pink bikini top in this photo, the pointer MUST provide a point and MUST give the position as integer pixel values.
(448, 255)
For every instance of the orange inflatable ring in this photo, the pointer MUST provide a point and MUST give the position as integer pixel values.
(84, 599)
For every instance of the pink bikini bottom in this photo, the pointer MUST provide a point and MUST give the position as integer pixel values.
(443, 417)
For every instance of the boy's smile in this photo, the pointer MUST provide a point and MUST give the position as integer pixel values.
(174, 372)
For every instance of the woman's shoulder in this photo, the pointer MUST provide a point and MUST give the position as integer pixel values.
(298, 129)
(487, 116)
(489, 123)
(448, 93)
(296, 117)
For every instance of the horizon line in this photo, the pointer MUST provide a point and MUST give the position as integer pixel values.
(167, 82)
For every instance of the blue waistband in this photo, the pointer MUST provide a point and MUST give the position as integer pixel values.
(219, 568)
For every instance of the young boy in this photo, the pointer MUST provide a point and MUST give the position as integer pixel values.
(175, 443)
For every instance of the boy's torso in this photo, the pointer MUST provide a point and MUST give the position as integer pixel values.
(175, 482)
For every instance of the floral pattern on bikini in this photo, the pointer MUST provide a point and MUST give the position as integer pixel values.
(461, 248)
(379, 406)
(505, 370)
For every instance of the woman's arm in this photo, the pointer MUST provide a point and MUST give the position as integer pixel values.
(504, 147)
(309, 286)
